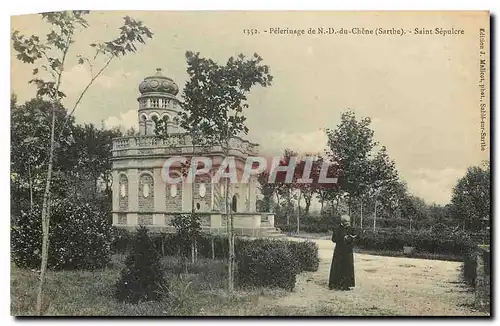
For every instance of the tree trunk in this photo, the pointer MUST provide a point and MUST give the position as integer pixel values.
(192, 252)
(31, 187)
(46, 217)
(321, 210)
(278, 208)
(361, 215)
(308, 205)
(229, 226)
(298, 214)
(195, 250)
(193, 190)
(213, 249)
(163, 246)
(349, 203)
(375, 217)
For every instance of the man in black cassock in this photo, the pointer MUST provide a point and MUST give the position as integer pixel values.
(342, 270)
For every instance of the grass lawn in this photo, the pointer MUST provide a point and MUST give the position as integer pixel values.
(201, 291)
(384, 286)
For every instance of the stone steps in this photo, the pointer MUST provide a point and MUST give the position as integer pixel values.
(271, 232)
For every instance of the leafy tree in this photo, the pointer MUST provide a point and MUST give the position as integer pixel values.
(53, 52)
(285, 188)
(30, 138)
(84, 158)
(267, 190)
(305, 189)
(90, 158)
(326, 192)
(188, 228)
(470, 202)
(142, 277)
(199, 144)
(351, 145)
(383, 182)
(214, 98)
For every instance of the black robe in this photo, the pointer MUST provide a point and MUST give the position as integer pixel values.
(342, 270)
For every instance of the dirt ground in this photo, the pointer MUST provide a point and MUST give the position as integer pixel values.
(384, 286)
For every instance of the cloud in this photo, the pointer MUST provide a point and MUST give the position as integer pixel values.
(433, 183)
(125, 121)
(78, 76)
(274, 143)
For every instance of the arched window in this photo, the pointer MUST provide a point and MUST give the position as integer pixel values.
(146, 192)
(203, 190)
(154, 116)
(123, 189)
(173, 190)
(173, 195)
(166, 117)
(234, 203)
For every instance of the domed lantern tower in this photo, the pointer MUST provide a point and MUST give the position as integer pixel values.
(157, 101)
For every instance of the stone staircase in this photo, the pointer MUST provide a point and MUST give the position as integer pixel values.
(268, 231)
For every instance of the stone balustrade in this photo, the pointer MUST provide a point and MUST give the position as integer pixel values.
(174, 145)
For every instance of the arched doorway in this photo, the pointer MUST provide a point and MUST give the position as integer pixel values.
(234, 203)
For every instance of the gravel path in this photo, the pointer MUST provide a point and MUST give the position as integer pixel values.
(384, 286)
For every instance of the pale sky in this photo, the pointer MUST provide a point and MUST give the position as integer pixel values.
(421, 91)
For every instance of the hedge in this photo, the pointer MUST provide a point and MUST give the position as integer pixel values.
(469, 268)
(306, 254)
(424, 241)
(279, 260)
(325, 224)
(267, 263)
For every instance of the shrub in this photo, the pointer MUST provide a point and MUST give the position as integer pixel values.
(120, 240)
(469, 268)
(424, 241)
(267, 263)
(188, 229)
(142, 277)
(79, 235)
(220, 246)
(306, 255)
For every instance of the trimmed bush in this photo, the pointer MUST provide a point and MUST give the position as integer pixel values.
(424, 241)
(121, 239)
(306, 255)
(79, 235)
(469, 268)
(266, 263)
(142, 277)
